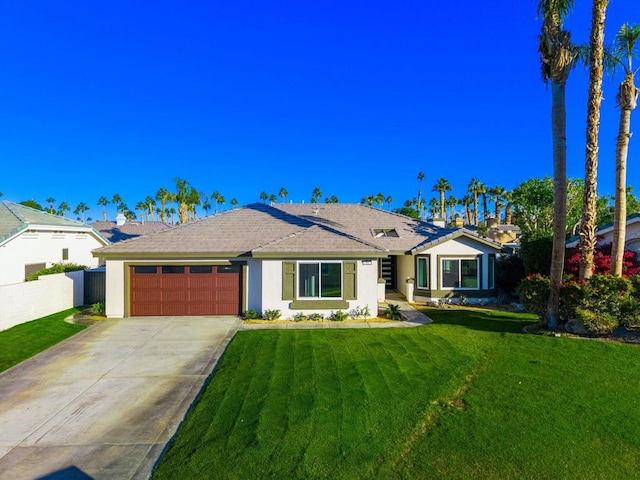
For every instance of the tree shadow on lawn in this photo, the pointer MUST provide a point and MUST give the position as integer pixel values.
(481, 320)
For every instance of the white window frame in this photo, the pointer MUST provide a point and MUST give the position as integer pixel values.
(459, 260)
(319, 263)
(427, 260)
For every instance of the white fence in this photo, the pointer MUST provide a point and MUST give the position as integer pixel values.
(23, 302)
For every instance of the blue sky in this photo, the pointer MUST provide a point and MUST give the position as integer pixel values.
(354, 97)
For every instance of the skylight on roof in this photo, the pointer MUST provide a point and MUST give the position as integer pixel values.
(385, 232)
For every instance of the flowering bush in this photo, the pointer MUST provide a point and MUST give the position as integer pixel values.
(604, 296)
(601, 261)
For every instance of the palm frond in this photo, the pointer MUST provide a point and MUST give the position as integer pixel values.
(560, 7)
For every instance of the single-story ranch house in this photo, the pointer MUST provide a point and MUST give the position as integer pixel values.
(311, 258)
(31, 240)
(604, 234)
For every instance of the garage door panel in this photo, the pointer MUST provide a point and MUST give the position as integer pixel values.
(179, 290)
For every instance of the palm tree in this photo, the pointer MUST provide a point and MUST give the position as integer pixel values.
(452, 202)
(556, 57)
(367, 200)
(434, 206)
(283, 193)
(80, 209)
(273, 198)
(185, 196)
(587, 245)
(378, 199)
(496, 194)
(151, 203)
(627, 100)
(264, 196)
(475, 188)
(141, 207)
(51, 201)
(128, 214)
(117, 201)
(221, 201)
(63, 207)
(104, 201)
(206, 206)
(420, 179)
(508, 212)
(316, 194)
(485, 206)
(214, 198)
(389, 201)
(331, 199)
(466, 202)
(442, 185)
(234, 203)
(163, 196)
(172, 211)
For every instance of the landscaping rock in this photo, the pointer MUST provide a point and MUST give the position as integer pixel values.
(576, 327)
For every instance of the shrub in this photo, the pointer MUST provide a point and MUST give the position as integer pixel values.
(536, 253)
(360, 312)
(534, 293)
(55, 268)
(509, 272)
(463, 300)
(98, 309)
(599, 323)
(339, 316)
(393, 312)
(299, 317)
(315, 317)
(251, 314)
(272, 314)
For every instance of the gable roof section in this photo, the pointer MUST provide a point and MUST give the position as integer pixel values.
(114, 233)
(602, 229)
(269, 231)
(15, 217)
(452, 235)
(234, 232)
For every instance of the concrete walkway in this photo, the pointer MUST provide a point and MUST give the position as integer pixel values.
(104, 403)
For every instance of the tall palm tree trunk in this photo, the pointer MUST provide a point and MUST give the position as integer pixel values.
(559, 129)
(628, 90)
(596, 57)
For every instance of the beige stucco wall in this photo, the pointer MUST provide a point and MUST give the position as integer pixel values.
(42, 245)
(405, 268)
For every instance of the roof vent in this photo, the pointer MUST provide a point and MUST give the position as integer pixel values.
(120, 219)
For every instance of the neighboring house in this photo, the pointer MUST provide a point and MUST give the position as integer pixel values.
(312, 258)
(505, 234)
(604, 234)
(31, 240)
(123, 230)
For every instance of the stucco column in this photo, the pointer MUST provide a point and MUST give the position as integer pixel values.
(410, 285)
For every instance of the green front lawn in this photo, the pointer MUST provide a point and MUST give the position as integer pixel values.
(26, 340)
(469, 396)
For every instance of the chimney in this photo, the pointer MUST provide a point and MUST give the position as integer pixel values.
(438, 222)
(492, 222)
(120, 219)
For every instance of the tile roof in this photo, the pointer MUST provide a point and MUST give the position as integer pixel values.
(114, 233)
(263, 230)
(15, 217)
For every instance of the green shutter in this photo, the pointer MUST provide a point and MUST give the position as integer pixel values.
(288, 280)
(349, 280)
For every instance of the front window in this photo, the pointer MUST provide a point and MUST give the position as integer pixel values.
(320, 280)
(422, 272)
(460, 273)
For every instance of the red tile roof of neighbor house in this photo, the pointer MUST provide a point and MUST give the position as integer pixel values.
(262, 230)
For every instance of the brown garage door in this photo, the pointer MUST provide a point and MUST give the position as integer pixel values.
(185, 290)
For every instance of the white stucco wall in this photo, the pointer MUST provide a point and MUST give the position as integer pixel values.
(271, 297)
(26, 301)
(44, 246)
(114, 289)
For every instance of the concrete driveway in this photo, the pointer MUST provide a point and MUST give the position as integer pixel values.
(104, 403)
